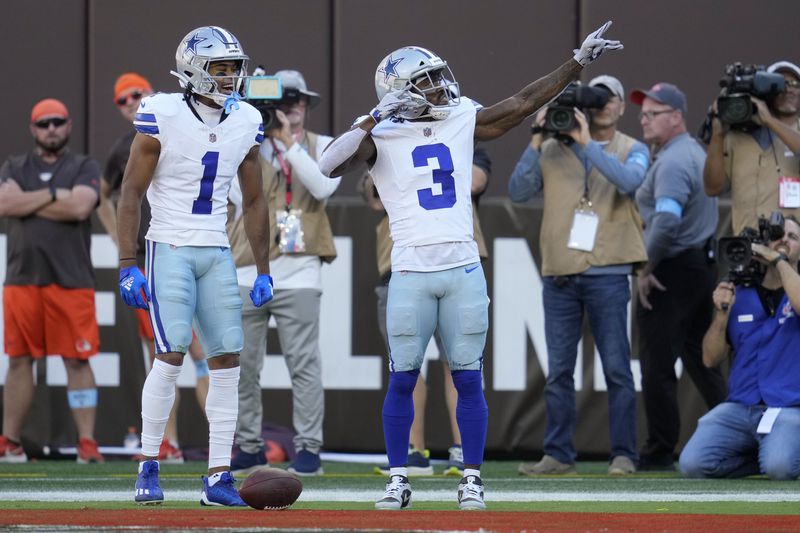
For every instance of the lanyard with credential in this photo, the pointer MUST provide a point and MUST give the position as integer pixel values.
(287, 171)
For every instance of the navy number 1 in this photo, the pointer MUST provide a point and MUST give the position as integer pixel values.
(442, 175)
(202, 206)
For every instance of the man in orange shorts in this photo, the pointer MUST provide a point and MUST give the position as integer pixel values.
(129, 89)
(48, 196)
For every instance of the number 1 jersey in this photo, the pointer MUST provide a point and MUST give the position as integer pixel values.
(188, 194)
(423, 173)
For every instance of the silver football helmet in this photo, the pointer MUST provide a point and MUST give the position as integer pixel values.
(423, 74)
(198, 50)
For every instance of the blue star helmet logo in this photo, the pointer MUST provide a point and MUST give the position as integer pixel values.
(389, 69)
(192, 43)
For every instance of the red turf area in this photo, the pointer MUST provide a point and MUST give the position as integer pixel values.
(405, 520)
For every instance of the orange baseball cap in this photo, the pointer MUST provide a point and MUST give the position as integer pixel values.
(128, 81)
(49, 107)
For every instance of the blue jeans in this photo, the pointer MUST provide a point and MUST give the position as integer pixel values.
(726, 444)
(605, 299)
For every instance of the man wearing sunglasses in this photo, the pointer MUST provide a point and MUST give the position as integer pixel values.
(761, 167)
(48, 196)
(129, 89)
(297, 192)
(675, 285)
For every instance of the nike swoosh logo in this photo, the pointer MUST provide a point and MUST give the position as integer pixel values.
(468, 270)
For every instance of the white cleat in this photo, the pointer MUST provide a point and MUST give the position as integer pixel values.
(397, 496)
(470, 493)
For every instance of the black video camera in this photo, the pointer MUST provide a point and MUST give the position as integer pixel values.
(560, 116)
(739, 82)
(265, 93)
(735, 254)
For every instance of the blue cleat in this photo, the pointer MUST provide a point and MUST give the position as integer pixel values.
(223, 493)
(148, 491)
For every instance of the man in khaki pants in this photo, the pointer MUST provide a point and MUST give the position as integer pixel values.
(296, 191)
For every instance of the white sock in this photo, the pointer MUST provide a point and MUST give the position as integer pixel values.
(398, 471)
(472, 472)
(222, 409)
(158, 395)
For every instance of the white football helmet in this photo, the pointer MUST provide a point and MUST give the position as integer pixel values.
(197, 50)
(408, 67)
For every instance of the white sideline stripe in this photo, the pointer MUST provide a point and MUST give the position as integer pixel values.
(426, 495)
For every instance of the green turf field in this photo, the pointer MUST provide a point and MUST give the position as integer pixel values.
(66, 485)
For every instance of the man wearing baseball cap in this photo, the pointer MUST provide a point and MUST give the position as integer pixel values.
(297, 192)
(760, 167)
(589, 185)
(48, 196)
(675, 285)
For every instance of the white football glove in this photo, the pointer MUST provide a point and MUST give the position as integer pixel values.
(594, 45)
(398, 103)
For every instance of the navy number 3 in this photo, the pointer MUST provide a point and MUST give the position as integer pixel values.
(442, 175)
(202, 206)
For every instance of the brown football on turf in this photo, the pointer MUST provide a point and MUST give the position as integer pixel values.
(270, 489)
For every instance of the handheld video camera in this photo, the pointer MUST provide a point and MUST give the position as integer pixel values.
(735, 255)
(264, 92)
(560, 116)
(739, 82)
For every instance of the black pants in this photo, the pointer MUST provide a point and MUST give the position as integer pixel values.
(675, 328)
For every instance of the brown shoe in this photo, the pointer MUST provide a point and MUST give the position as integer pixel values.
(549, 465)
(621, 466)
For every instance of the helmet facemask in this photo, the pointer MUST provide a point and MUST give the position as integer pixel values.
(439, 88)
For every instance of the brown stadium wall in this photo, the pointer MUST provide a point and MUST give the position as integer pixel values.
(74, 49)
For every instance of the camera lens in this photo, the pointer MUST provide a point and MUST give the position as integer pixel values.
(735, 109)
(736, 252)
(560, 119)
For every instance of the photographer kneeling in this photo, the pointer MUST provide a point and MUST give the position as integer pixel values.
(591, 238)
(755, 430)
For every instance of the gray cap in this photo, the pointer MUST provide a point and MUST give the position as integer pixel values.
(611, 83)
(785, 66)
(663, 93)
(292, 79)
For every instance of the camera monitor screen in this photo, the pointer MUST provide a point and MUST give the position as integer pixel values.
(263, 88)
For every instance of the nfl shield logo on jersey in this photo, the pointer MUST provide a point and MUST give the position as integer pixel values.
(212, 137)
(427, 132)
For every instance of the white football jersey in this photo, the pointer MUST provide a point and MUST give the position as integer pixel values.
(423, 173)
(188, 194)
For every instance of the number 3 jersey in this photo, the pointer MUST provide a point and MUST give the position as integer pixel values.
(188, 194)
(423, 173)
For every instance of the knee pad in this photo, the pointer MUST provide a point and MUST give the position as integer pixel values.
(232, 340)
(179, 336)
(201, 368)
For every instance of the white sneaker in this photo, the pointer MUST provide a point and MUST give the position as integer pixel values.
(470, 493)
(397, 496)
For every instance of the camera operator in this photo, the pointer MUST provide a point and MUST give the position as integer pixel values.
(755, 430)
(761, 167)
(588, 182)
(296, 191)
(675, 286)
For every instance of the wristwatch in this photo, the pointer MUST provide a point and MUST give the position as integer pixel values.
(781, 257)
(53, 196)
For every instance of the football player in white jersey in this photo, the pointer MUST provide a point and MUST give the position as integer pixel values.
(418, 142)
(187, 150)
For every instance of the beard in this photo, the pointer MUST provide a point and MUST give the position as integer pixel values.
(52, 146)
